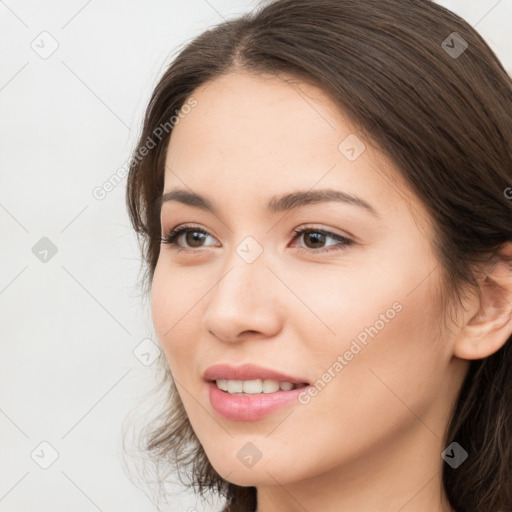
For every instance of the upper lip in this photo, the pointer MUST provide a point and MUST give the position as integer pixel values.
(247, 372)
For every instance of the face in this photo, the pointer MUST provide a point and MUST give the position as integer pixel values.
(347, 306)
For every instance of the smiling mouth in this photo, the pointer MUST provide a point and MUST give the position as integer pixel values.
(256, 386)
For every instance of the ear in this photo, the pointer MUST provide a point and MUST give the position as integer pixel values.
(488, 321)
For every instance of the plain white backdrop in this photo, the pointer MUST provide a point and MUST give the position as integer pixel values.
(77, 339)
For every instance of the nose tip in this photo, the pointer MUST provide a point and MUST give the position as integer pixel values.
(242, 304)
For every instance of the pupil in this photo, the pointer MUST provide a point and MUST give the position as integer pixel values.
(318, 236)
(192, 238)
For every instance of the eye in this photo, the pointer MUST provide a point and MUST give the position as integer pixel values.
(198, 235)
(317, 237)
(313, 236)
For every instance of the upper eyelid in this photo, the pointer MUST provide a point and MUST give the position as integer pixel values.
(181, 229)
(301, 227)
(295, 234)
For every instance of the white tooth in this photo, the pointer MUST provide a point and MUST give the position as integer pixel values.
(270, 386)
(235, 386)
(222, 384)
(252, 386)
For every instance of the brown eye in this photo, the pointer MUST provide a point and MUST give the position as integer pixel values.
(194, 238)
(192, 235)
(315, 239)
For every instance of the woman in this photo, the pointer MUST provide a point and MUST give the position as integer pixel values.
(326, 222)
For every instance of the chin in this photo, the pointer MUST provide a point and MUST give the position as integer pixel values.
(246, 478)
(263, 472)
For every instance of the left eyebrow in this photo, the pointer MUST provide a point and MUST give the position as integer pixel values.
(276, 204)
(303, 198)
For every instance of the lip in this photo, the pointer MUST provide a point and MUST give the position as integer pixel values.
(248, 372)
(249, 407)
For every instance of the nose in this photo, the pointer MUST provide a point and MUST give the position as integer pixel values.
(244, 303)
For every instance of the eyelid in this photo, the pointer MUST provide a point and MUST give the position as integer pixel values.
(343, 241)
(179, 230)
(174, 233)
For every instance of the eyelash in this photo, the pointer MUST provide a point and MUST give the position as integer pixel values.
(174, 234)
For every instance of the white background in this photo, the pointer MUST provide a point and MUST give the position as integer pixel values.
(68, 373)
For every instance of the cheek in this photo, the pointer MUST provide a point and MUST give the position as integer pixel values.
(392, 363)
(332, 305)
(379, 391)
(383, 322)
(171, 309)
(161, 302)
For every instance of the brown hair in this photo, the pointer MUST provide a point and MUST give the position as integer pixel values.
(439, 105)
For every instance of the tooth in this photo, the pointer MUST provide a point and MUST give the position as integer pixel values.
(255, 386)
(235, 386)
(270, 386)
(222, 384)
(252, 386)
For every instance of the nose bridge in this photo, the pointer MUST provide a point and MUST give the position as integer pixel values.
(245, 270)
(242, 298)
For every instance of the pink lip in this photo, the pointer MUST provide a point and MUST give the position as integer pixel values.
(247, 372)
(249, 407)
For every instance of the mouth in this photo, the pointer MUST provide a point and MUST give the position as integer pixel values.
(250, 378)
(261, 397)
(250, 392)
(256, 386)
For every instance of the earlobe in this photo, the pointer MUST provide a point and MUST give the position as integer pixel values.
(488, 328)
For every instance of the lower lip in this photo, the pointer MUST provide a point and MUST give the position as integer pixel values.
(249, 407)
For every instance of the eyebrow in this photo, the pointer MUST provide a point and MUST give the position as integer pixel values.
(276, 204)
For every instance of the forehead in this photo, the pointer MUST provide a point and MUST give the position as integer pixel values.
(244, 117)
(258, 136)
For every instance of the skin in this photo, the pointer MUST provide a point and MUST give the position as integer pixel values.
(373, 436)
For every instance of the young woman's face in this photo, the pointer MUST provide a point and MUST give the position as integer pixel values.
(357, 321)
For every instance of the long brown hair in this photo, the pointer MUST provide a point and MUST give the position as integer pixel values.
(425, 88)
